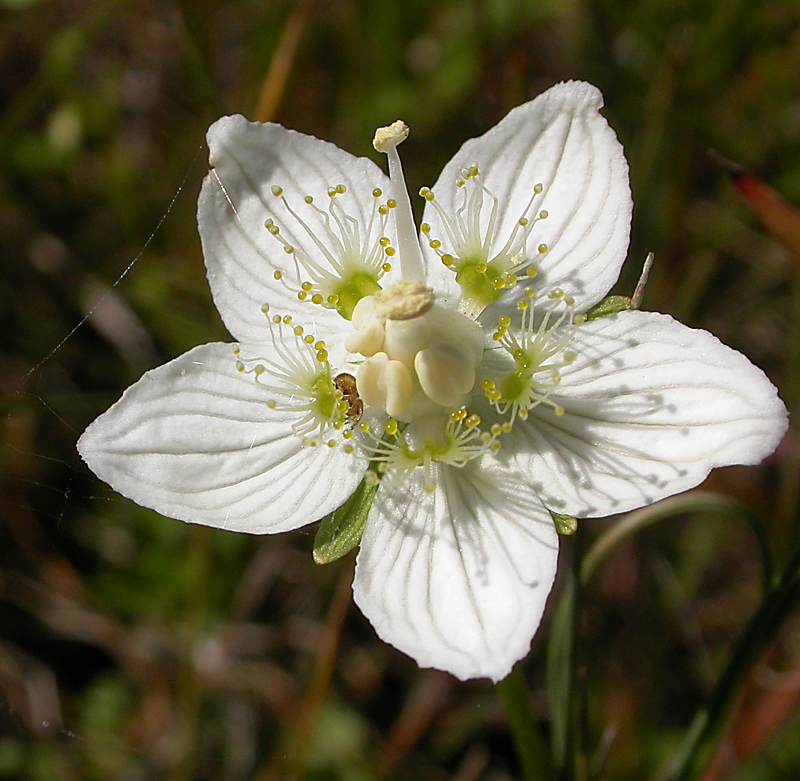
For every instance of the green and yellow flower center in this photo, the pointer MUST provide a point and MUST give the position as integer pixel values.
(336, 266)
(483, 270)
(539, 350)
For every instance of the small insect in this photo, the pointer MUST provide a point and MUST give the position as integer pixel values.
(346, 384)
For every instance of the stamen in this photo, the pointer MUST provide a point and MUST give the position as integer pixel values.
(386, 140)
(483, 277)
(300, 377)
(539, 350)
(337, 266)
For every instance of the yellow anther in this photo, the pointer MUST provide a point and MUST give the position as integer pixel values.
(391, 427)
(496, 430)
(506, 426)
(364, 426)
(340, 189)
(460, 183)
(558, 410)
(531, 272)
(377, 192)
(264, 308)
(504, 321)
(331, 443)
(271, 403)
(489, 385)
(530, 292)
(579, 319)
(522, 305)
(481, 268)
(390, 251)
(277, 275)
(277, 190)
(556, 294)
(276, 319)
(333, 299)
(425, 228)
(448, 260)
(239, 366)
(387, 267)
(473, 421)
(259, 369)
(287, 319)
(316, 298)
(308, 339)
(309, 199)
(348, 449)
(523, 221)
(298, 330)
(268, 223)
(537, 188)
(288, 249)
(274, 230)
(384, 241)
(544, 214)
(569, 357)
(322, 356)
(542, 249)
(383, 467)
(426, 193)
(569, 301)
(347, 434)
(391, 203)
(307, 286)
(383, 211)
(320, 345)
(435, 244)
(237, 350)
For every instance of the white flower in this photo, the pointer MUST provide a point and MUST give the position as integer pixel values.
(434, 365)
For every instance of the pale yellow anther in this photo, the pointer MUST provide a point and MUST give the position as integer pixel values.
(390, 136)
(403, 301)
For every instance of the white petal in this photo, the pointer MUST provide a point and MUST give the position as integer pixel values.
(651, 407)
(247, 159)
(561, 140)
(458, 579)
(194, 440)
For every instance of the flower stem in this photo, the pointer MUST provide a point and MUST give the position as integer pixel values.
(777, 604)
(534, 758)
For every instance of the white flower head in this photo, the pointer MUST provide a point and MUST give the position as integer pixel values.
(454, 367)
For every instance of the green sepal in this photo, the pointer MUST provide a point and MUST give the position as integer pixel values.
(609, 306)
(565, 524)
(341, 531)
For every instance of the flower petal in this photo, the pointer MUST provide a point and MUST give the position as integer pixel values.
(458, 579)
(247, 159)
(194, 440)
(562, 141)
(651, 407)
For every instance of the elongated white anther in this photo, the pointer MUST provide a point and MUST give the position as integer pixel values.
(386, 141)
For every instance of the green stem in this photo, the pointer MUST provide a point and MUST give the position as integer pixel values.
(777, 604)
(531, 748)
(561, 667)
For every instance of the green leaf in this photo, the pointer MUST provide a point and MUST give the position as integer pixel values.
(341, 531)
(609, 306)
(565, 524)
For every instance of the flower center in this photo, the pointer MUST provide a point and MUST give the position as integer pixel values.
(421, 359)
(539, 350)
(428, 441)
(300, 378)
(483, 271)
(339, 265)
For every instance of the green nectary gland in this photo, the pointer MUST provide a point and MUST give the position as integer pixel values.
(324, 394)
(476, 286)
(350, 292)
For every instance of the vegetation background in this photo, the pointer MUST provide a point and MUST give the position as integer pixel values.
(136, 647)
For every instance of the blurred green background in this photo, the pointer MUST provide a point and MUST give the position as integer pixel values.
(136, 647)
